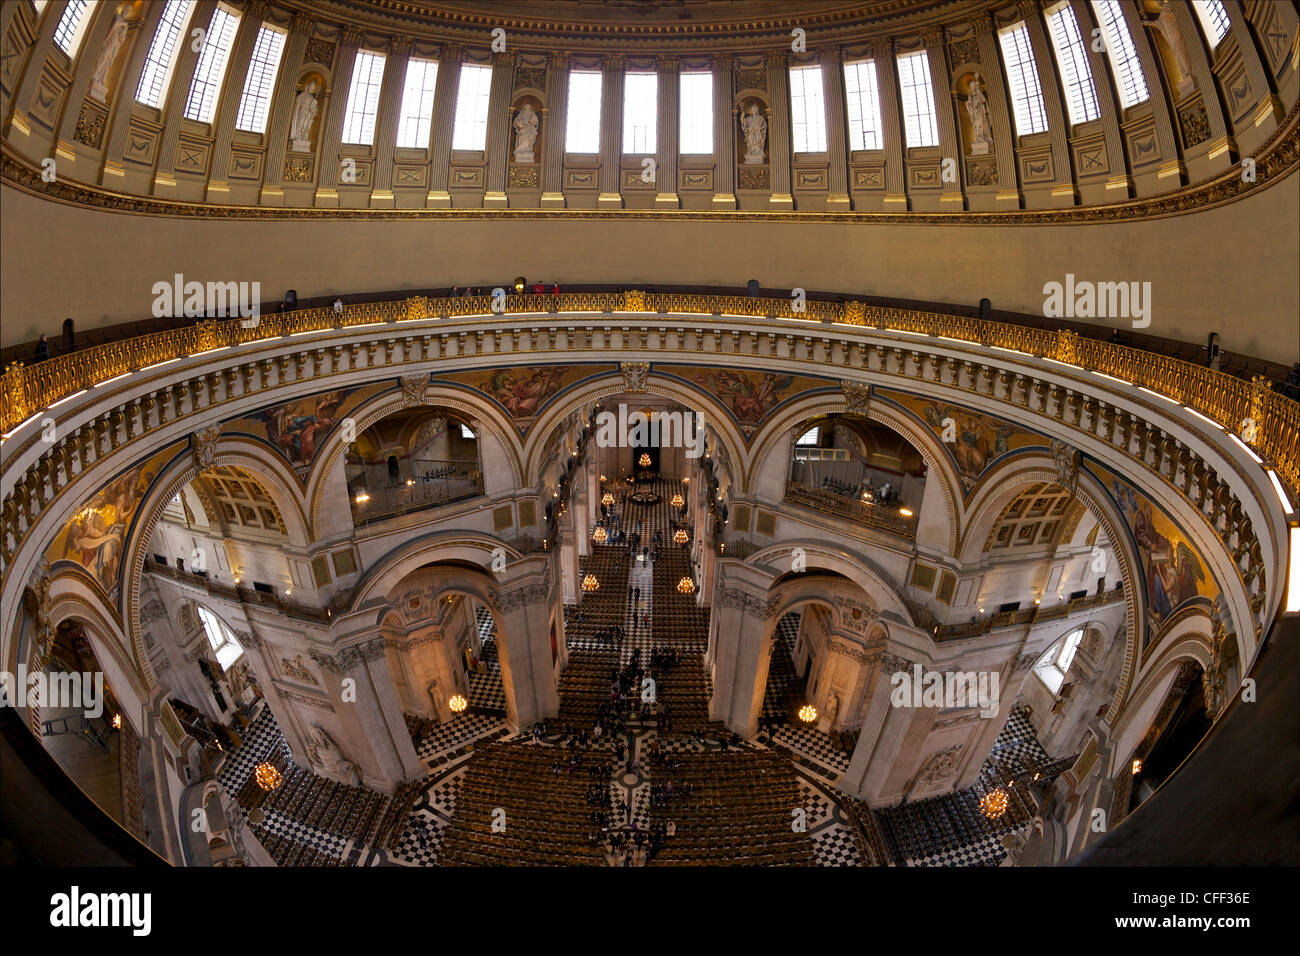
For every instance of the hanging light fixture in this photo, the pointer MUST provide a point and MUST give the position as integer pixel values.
(686, 586)
(589, 583)
(117, 721)
(361, 498)
(678, 501)
(267, 777)
(599, 536)
(1137, 766)
(807, 713)
(905, 512)
(680, 536)
(644, 460)
(458, 704)
(607, 499)
(994, 803)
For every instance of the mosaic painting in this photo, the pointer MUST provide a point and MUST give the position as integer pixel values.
(749, 396)
(298, 428)
(977, 440)
(96, 536)
(524, 392)
(1173, 573)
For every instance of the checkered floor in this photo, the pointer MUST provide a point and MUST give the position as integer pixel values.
(456, 733)
(487, 695)
(1016, 742)
(780, 671)
(812, 743)
(262, 737)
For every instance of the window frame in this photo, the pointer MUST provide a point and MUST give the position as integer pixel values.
(217, 45)
(414, 129)
(1050, 666)
(471, 114)
(810, 103)
(360, 118)
(266, 79)
(1028, 106)
(1130, 78)
(705, 130)
(866, 95)
(1072, 64)
(632, 127)
(168, 67)
(921, 94)
(582, 120)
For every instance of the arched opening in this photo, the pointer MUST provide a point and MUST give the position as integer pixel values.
(851, 466)
(412, 459)
(1176, 731)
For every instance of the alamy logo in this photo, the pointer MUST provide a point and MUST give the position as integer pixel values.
(74, 909)
(195, 300)
(662, 429)
(922, 688)
(82, 691)
(1098, 300)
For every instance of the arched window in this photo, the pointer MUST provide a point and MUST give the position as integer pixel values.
(221, 639)
(1053, 666)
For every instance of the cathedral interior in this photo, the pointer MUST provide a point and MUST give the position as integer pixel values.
(408, 460)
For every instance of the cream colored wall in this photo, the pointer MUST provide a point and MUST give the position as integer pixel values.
(1231, 269)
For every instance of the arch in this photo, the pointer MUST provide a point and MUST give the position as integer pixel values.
(72, 598)
(767, 441)
(472, 547)
(240, 451)
(849, 564)
(656, 384)
(381, 406)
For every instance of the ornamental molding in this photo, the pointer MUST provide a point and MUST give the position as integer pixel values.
(635, 375)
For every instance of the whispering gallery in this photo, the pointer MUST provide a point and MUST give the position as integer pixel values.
(649, 433)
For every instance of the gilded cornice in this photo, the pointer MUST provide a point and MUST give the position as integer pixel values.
(1275, 160)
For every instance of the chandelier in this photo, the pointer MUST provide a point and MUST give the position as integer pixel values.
(644, 460)
(678, 501)
(994, 803)
(599, 536)
(117, 721)
(679, 536)
(607, 499)
(686, 586)
(267, 777)
(589, 583)
(807, 713)
(458, 704)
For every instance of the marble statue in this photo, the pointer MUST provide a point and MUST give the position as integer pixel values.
(525, 134)
(116, 37)
(326, 754)
(1014, 844)
(755, 129)
(827, 723)
(977, 107)
(1167, 24)
(304, 114)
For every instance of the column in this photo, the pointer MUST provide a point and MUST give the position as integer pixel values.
(120, 117)
(945, 101)
(995, 87)
(103, 16)
(498, 130)
(741, 646)
(779, 158)
(241, 55)
(445, 92)
(1222, 145)
(724, 132)
(17, 122)
(331, 131)
(1143, 43)
(277, 127)
(1064, 191)
(1108, 102)
(611, 133)
(667, 126)
(891, 118)
(836, 130)
(1268, 105)
(523, 614)
(182, 75)
(881, 738)
(390, 107)
(557, 106)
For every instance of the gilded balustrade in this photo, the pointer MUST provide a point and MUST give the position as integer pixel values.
(1263, 418)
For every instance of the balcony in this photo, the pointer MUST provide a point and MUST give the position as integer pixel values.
(865, 513)
(436, 483)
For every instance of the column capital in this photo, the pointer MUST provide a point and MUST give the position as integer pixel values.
(669, 61)
(982, 23)
(723, 61)
(933, 38)
(506, 59)
(351, 36)
(1028, 8)
(303, 24)
(257, 9)
(558, 60)
(778, 58)
(399, 46)
(831, 54)
(614, 61)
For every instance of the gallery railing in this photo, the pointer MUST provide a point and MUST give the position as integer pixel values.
(1265, 420)
(872, 515)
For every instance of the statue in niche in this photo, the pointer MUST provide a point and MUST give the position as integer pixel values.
(1014, 844)
(828, 718)
(754, 126)
(112, 43)
(304, 115)
(325, 753)
(977, 107)
(1167, 24)
(525, 133)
